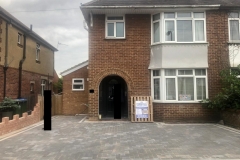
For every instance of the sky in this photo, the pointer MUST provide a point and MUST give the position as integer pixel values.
(62, 28)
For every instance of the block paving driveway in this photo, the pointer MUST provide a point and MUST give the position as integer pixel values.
(72, 137)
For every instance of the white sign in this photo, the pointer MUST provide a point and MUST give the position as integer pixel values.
(141, 109)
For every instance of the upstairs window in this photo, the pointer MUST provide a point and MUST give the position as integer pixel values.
(179, 27)
(233, 20)
(115, 27)
(19, 38)
(38, 53)
(77, 84)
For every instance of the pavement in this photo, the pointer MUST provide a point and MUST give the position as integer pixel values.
(74, 137)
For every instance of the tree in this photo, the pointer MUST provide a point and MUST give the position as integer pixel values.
(58, 85)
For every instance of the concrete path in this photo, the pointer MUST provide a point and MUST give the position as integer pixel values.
(74, 138)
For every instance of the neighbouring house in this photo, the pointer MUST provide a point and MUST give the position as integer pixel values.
(172, 51)
(75, 89)
(26, 61)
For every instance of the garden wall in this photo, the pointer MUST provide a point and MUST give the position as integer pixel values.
(231, 118)
(8, 126)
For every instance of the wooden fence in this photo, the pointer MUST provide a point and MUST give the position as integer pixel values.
(56, 105)
(135, 117)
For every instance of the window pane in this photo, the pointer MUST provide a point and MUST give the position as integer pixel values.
(234, 30)
(185, 89)
(169, 15)
(156, 33)
(185, 72)
(156, 73)
(184, 14)
(169, 29)
(156, 17)
(170, 72)
(200, 72)
(184, 31)
(77, 81)
(198, 15)
(120, 29)
(170, 89)
(201, 88)
(77, 86)
(156, 84)
(110, 29)
(199, 30)
(115, 18)
(233, 15)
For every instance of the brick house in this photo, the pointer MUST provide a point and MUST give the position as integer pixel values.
(170, 50)
(26, 60)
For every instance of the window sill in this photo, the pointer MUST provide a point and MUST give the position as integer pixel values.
(234, 42)
(179, 43)
(106, 38)
(176, 101)
(37, 61)
(20, 45)
(78, 90)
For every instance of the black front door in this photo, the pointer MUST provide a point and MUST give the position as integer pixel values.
(113, 98)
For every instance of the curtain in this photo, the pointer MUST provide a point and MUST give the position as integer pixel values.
(234, 30)
(184, 31)
(185, 88)
(169, 31)
(170, 89)
(156, 32)
(199, 30)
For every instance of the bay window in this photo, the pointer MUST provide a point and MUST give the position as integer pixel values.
(179, 27)
(234, 20)
(179, 85)
(115, 27)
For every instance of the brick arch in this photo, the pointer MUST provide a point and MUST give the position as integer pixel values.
(100, 76)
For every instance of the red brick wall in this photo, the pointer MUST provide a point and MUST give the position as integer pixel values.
(73, 101)
(218, 56)
(12, 83)
(128, 58)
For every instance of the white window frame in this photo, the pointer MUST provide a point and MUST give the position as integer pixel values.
(114, 21)
(74, 83)
(43, 84)
(235, 19)
(152, 28)
(163, 93)
(38, 52)
(19, 38)
(163, 21)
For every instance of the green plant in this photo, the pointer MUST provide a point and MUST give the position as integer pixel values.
(229, 97)
(8, 104)
(58, 85)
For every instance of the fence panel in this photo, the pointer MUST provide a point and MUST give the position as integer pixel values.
(147, 116)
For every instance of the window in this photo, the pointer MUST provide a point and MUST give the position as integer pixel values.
(179, 85)
(156, 27)
(179, 27)
(115, 27)
(78, 84)
(43, 85)
(20, 38)
(38, 53)
(32, 86)
(233, 20)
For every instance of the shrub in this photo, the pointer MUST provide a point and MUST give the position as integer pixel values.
(8, 105)
(229, 97)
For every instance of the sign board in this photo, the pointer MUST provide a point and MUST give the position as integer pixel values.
(141, 109)
(185, 97)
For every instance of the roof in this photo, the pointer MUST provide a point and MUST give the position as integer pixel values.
(15, 22)
(74, 68)
(161, 2)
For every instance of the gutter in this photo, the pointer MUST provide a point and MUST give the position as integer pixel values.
(150, 7)
(5, 67)
(20, 67)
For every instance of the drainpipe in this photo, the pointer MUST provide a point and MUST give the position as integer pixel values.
(20, 67)
(5, 67)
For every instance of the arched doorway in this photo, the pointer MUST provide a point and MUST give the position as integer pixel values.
(113, 98)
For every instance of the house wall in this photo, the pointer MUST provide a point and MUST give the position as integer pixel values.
(129, 58)
(31, 71)
(74, 102)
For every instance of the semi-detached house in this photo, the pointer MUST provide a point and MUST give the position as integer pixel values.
(170, 50)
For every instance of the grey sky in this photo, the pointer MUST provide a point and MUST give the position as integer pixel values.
(63, 26)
